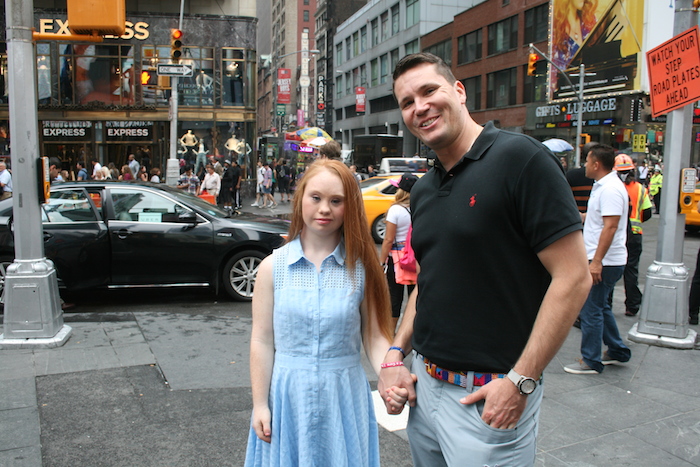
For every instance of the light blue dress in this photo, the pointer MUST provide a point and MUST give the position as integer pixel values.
(322, 412)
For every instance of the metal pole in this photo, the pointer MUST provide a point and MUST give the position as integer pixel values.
(33, 315)
(579, 123)
(173, 166)
(663, 318)
(173, 170)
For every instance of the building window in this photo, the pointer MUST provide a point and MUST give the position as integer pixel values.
(236, 81)
(356, 44)
(348, 49)
(356, 78)
(394, 59)
(348, 84)
(469, 47)
(375, 32)
(339, 53)
(385, 25)
(339, 86)
(536, 24)
(412, 12)
(473, 89)
(363, 75)
(363, 39)
(442, 50)
(503, 36)
(306, 2)
(395, 19)
(412, 47)
(384, 68)
(306, 15)
(501, 88)
(43, 72)
(374, 65)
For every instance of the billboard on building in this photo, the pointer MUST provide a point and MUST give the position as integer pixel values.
(604, 35)
(284, 86)
(360, 99)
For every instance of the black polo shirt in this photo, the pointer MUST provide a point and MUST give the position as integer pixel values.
(477, 230)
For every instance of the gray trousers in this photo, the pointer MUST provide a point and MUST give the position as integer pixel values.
(443, 432)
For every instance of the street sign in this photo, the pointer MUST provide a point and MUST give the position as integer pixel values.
(175, 70)
(281, 110)
(304, 81)
(674, 72)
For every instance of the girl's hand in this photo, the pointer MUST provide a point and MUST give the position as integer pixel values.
(261, 423)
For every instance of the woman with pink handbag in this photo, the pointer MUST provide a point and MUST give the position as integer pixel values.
(394, 247)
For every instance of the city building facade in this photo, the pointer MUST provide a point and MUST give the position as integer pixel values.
(104, 101)
(366, 48)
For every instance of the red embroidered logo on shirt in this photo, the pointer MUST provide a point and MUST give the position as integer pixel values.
(472, 201)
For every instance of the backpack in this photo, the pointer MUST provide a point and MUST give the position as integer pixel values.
(283, 172)
(408, 259)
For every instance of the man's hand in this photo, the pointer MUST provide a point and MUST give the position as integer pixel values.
(392, 382)
(596, 269)
(503, 403)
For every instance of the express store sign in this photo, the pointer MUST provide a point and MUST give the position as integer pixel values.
(129, 130)
(66, 130)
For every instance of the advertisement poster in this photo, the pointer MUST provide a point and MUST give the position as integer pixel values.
(284, 86)
(360, 99)
(604, 35)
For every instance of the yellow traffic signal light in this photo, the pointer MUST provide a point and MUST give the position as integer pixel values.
(149, 78)
(532, 64)
(175, 45)
(696, 5)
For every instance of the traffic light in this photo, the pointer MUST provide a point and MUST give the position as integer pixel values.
(532, 64)
(175, 45)
(149, 78)
(696, 5)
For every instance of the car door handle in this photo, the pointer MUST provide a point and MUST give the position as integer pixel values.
(122, 233)
(47, 236)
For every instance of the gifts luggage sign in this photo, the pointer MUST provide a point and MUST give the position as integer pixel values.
(674, 72)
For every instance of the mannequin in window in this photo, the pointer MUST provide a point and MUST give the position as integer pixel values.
(189, 141)
(232, 146)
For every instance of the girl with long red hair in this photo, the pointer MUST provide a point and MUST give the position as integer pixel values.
(318, 300)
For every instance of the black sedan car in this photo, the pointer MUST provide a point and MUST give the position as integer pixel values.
(125, 234)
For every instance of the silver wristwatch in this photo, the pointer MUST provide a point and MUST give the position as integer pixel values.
(525, 384)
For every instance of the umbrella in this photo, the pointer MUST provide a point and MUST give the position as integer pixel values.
(316, 142)
(307, 133)
(558, 145)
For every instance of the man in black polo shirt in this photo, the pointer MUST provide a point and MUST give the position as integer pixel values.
(503, 274)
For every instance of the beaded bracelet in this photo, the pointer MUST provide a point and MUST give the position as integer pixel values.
(393, 347)
(391, 364)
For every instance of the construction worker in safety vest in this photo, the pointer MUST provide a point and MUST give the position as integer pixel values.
(640, 211)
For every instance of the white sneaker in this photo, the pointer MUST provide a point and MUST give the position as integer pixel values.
(254, 205)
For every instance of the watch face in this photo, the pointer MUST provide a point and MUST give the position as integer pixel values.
(528, 386)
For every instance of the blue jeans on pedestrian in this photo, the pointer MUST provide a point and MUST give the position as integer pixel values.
(598, 324)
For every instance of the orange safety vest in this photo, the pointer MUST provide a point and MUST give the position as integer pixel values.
(635, 190)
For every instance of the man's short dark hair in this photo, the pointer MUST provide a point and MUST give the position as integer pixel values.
(586, 149)
(604, 154)
(81, 164)
(55, 161)
(413, 60)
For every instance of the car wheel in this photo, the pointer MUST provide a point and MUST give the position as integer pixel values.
(240, 272)
(379, 228)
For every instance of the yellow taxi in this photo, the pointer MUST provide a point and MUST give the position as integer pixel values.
(378, 195)
(692, 217)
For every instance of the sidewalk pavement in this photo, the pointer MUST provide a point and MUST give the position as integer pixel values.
(154, 388)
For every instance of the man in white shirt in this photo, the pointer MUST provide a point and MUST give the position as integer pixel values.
(5, 182)
(96, 170)
(605, 235)
(259, 194)
(134, 166)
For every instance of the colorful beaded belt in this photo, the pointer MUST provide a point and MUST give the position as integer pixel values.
(459, 378)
